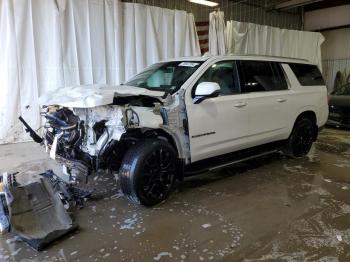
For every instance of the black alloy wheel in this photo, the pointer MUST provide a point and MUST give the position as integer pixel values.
(148, 172)
(302, 138)
(157, 174)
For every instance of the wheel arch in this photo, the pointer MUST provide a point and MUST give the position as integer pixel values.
(162, 134)
(310, 114)
(139, 134)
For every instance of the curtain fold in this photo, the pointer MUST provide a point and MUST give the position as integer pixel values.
(217, 45)
(153, 34)
(249, 38)
(47, 44)
(9, 73)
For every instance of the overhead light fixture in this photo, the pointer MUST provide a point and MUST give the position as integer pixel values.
(204, 2)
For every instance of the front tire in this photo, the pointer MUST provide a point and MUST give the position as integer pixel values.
(301, 139)
(147, 173)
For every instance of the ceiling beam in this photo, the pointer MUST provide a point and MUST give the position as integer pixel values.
(294, 3)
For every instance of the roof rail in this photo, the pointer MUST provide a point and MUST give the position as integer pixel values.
(273, 56)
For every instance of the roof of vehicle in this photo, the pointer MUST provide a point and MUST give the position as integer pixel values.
(189, 58)
(242, 57)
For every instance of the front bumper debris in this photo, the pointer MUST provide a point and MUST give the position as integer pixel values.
(37, 206)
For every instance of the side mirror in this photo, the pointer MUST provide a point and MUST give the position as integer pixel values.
(205, 90)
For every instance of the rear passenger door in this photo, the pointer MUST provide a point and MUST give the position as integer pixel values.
(266, 92)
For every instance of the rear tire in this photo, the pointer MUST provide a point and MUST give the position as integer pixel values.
(301, 139)
(147, 173)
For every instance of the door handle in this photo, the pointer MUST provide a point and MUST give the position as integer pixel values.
(281, 100)
(240, 104)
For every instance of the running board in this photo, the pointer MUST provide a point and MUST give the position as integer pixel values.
(229, 159)
(241, 160)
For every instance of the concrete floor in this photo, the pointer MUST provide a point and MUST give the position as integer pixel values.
(269, 209)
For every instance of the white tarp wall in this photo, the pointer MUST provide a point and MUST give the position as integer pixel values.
(248, 38)
(217, 44)
(46, 44)
(153, 34)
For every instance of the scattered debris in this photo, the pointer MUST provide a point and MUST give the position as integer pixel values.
(4, 219)
(162, 254)
(119, 194)
(35, 206)
(129, 223)
(206, 225)
(72, 194)
(74, 253)
(339, 238)
(15, 253)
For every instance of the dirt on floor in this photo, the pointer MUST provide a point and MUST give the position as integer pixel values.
(267, 209)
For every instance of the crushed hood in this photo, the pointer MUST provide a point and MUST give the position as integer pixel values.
(87, 96)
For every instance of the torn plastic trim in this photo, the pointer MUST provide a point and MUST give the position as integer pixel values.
(114, 128)
(32, 133)
(117, 120)
(175, 118)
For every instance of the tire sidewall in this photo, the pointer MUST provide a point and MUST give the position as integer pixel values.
(143, 150)
(302, 123)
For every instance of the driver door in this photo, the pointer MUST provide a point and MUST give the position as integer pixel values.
(217, 125)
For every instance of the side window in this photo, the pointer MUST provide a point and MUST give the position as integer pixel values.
(307, 75)
(225, 74)
(257, 76)
(280, 78)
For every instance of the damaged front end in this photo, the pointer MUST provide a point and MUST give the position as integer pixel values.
(84, 140)
(86, 137)
(63, 137)
(91, 128)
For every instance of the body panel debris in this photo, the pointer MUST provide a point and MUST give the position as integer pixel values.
(37, 206)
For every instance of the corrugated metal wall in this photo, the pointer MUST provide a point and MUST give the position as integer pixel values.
(254, 11)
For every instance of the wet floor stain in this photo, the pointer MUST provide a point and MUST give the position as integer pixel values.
(267, 209)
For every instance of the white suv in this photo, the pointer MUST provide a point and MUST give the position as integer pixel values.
(184, 116)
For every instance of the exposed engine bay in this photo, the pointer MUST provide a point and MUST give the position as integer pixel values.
(85, 140)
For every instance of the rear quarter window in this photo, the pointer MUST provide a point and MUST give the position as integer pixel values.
(307, 75)
(258, 76)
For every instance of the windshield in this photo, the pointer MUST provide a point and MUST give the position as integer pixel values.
(343, 90)
(168, 76)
